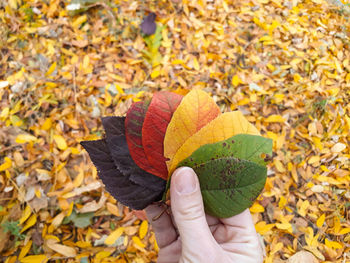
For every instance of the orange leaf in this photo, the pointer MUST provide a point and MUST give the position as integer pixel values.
(221, 128)
(195, 111)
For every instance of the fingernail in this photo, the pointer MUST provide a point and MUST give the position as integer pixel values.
(185, 181)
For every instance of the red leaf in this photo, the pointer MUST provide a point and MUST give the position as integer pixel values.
(157, 118)
(133, 132)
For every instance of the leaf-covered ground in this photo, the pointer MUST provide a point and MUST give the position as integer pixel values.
(284, 64)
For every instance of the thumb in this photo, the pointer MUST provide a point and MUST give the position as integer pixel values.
(188, 210)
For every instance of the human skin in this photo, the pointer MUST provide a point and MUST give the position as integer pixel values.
(189, 235)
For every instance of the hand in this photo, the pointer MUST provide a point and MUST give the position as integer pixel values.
(201, 238)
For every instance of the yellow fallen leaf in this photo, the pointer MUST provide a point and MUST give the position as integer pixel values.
(30, 222)
(25, 249)
(138, 242)
(6, 165)
(110, 240)
(303, 206)
(58, 220)
(236, 81)
(276, 248)
(219, 129)
(332, 244)
(51, 69)
(60, 141)
(257, 208)
(195, 64)
(113, 209)
(80, 20)
(102, 254)
(155, 73)
(25, 215)
(34, 259)
(262, 228)
(284, 226)
(47, 124)
(143, 229)
(62, 249)
(23, 138)
(338, 147)
(320, 220)
(195, 111)
(275, 118)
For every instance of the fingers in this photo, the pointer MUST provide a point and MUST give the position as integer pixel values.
(188, 212)
(237, 234)
(162, 226)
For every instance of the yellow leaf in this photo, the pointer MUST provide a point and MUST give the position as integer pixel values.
(276, 248)
(25, 249)
(6, 165)
(138, 242)
(275, 118)
(78, 180)
(26, 213)
(257, 208)
(102, 254)
(5, 113)
(262, 228)
(13, 4)
(195, 64)
(47, 124)
(303, 206)
(236, 81)
(23, 138)
(344, 231)
(143, 229)
(113, 209)
(338, 147)
(34, 259)
(320, 220)
(83, 244)
(279, 166)
(31, 222)
(196, 110)
(219, 129)
(51, 69)
(80, 20)
(282, 203)
(284, 226)
(60, 141)
(155, 73)
(70, 209)
(58, 220)
(110, 240)
(62, 249)
(332, 244)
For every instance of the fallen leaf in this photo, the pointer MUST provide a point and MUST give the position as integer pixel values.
(302, 257)
(62, 249)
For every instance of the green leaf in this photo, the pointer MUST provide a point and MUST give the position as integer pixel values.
(79, 220)
(231, 173)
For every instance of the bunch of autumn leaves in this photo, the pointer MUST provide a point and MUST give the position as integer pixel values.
(140, 152)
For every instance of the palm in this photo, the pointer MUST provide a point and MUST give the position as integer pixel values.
(236, 239)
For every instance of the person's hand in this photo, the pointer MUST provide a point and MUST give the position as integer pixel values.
(201, 238)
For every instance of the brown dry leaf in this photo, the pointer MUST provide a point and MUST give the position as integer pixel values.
(302, 257)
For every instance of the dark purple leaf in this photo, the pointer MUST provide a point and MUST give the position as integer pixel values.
(120, 154)
(117, 184)
(148, 26)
